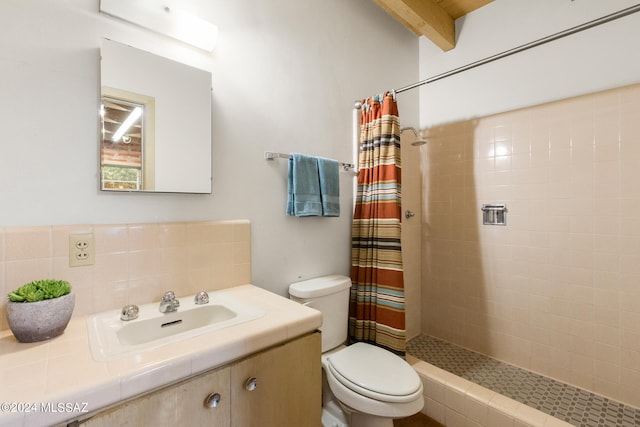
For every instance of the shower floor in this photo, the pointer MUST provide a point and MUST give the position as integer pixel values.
(566, 402)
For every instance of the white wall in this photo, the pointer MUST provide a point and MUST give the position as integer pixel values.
(600, 58)
(285, 76)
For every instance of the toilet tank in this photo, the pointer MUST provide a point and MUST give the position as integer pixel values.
(330, 296)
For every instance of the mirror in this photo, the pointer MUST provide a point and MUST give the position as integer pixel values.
(155, 123)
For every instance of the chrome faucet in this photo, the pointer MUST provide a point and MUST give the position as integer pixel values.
(169, 303)
(129, 312)
(201, 298)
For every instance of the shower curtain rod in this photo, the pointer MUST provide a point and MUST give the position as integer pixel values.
(573, 30)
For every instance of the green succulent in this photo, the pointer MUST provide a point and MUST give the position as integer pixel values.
(39, 290)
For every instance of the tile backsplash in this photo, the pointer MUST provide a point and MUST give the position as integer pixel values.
(134, 263)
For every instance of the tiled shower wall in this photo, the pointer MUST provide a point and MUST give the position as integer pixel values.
(556, 290)
(411, 242)
(134, 263)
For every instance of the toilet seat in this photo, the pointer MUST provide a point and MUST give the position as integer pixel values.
(375, 373)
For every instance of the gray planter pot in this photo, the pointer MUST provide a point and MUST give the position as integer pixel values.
(42, 320)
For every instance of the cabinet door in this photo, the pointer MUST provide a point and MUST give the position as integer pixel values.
(192, 409)
(288, 386)
(179, 405)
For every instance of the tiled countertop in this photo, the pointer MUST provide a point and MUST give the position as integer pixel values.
(56, 380)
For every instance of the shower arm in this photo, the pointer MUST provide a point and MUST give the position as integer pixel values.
(419, 140)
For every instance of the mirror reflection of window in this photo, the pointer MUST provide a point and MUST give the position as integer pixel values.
(121, 144)
(121, 178)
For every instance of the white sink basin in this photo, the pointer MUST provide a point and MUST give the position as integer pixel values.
(110, 337)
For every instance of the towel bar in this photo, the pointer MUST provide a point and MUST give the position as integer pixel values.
(271, 155)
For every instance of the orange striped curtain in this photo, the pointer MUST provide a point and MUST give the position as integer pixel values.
(376, 306)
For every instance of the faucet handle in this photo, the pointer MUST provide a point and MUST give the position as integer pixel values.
(201, 298)
(129, 312)
(169, 296)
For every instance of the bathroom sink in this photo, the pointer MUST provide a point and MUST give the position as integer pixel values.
(110, 337)
(144, 331)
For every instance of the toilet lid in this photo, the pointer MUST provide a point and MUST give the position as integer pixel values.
(374, 372)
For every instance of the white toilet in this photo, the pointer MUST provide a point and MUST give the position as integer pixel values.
(363, 385)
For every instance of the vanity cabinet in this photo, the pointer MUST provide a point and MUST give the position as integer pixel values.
(288, 390)
(281, 386)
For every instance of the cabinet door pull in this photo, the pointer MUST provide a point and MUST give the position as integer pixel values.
(251, 384)
(212, 400)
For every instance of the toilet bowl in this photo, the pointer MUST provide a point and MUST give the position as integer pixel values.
(364, 385)
(373, 384)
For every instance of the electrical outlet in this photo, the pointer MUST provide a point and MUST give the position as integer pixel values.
(81, 249)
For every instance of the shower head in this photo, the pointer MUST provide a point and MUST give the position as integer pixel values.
(419, 141)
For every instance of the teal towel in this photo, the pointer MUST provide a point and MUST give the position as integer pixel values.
(304, 186)
(329, 174)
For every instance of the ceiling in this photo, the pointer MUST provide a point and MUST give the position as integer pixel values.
(434, 19)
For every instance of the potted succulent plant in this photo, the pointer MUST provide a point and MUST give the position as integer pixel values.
(40, 310)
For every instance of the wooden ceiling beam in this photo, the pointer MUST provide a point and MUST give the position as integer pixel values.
(458, 8)
(425, 18)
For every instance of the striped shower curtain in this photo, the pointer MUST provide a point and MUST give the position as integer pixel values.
(376, 306)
